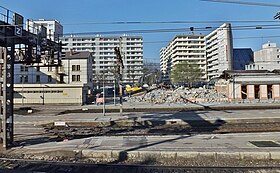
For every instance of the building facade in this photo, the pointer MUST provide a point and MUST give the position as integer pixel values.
(77, 69)
(213, 53)
(51, 94)
(104, 58)
(219, 51)
(184, 47)
(250, 85)
(268, 58)
(242, 57)
(54, 29)
(75, 72)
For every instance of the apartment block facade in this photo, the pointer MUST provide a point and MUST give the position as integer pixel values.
(184, 47)
(213, 52)
(54, 29)
(268, 58)
(219, 51)
(104, 58)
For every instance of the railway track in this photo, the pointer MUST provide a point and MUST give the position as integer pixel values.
(195, 128)
(32, 166)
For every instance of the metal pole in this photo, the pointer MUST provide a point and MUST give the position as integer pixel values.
(121, 103)
(103, 95)
(114, 92)
(233, 83)
(22, 101)
(4, 120)
(120, 84)
(43, 95)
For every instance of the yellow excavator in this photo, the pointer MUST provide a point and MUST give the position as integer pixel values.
(132, 90)
(136, 88)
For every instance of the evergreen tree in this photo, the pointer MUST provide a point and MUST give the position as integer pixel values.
(185, 72)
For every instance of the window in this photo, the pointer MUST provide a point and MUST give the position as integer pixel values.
(23, 79)
(23, 68)
(49, 78)
(76, 67)
(76, 78)
(49, 68)
(73, 68)
(38, 78)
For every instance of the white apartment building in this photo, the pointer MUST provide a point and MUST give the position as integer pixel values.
(164, 64)
(54, 28)
(104, 58)
(184, 47)
(268, 58)
(219, 51)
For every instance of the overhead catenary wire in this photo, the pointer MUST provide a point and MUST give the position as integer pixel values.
(199, 29)
(150, 22)
(170, 30)
(207, 28)
(171, 22)
(243, 3)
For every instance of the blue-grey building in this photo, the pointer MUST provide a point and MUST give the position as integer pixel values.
(242, 57)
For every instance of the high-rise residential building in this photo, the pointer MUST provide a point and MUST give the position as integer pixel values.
(104, 58)
(213, 52)
(54, 29)
(184, 47)
(164, 65)
(268, 58)
(219, 51)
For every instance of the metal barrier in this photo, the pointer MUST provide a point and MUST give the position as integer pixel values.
(6, 15)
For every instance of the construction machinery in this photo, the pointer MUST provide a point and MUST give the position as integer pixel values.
(136, 88)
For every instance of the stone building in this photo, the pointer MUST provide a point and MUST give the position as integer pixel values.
(250, 85)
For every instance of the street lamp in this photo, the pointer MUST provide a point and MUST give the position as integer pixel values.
(43, 95)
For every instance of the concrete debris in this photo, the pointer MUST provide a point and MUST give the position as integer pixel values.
(180, 95)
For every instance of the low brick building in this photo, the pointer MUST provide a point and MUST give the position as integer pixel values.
(250, 85)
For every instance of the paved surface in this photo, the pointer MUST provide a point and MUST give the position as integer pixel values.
(45, 117)
(228, 145)
(127, 105)
(236, 146)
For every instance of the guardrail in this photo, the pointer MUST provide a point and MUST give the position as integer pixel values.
(6, 15)
(11, 18)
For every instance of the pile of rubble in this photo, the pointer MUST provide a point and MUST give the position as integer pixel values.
(179, 95)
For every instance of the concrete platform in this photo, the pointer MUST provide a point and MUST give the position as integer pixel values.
(235, 146)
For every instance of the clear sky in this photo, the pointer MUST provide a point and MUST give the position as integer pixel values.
(74, 14)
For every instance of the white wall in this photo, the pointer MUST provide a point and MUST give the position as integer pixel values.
(49, 94)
